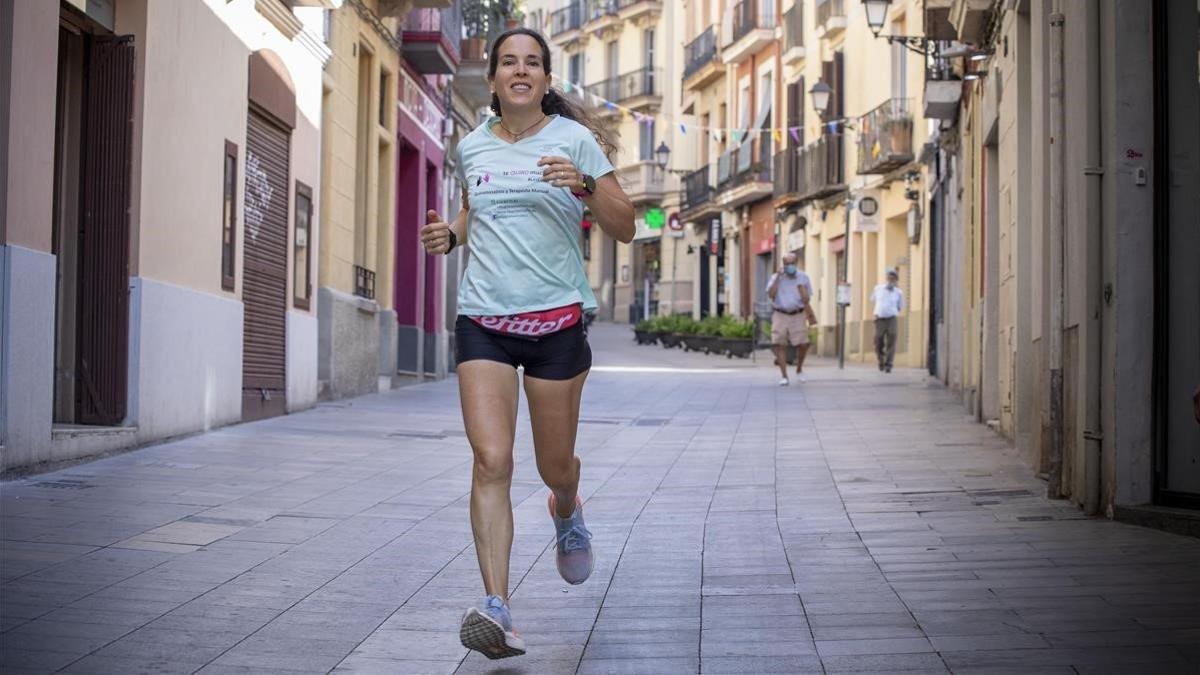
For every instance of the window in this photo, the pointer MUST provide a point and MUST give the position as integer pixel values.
(301, 261)
(384, 98)
(648, 47)
(899, 63)
(229, 217)
(575, 69)
(646, 138)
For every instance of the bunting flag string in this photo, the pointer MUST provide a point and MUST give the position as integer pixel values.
(718, 134)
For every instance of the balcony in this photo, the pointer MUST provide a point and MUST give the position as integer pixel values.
(937, 20)
(744, 172)
(398, 8)
(753, 28)
(565, 23)
(970, 19)
(701, 65)
(642, 182)
(470, 80)
(364, 282)
(831, 17)
(787, 177)
(820, 169)
(885, 137)
(941, 98)
(430, 39)
(641, 12)
(639, 89)
(698, 195)
(600, 16)
(793, 34)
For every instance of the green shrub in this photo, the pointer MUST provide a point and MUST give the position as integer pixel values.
(645, 325)
(737, 328)
(711, 325)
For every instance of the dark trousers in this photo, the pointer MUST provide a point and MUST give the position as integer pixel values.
(885, 340)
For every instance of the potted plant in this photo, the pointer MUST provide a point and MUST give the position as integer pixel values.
(708, 335)
(737, 338)
(674, 328)
(644, 333)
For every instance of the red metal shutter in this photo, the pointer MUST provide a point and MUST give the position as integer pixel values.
(264, 277)
(102, 359)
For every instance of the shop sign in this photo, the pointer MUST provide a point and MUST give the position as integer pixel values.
(714, 236)
(843, 293)
(420, 107)
(866, 213)
(795, 240)
(644, 231)
(674, 225)
(655, 218)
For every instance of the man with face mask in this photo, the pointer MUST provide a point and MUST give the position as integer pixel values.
(889, 301)
(789, 291)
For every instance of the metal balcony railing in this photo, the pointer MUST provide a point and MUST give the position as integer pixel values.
(828, 9)
(364, 282)
(793, 27)
(566, 19)
(700, 52)
(746, 163)
(749, 15)
(787, 172)
(820, 168)
(596, 9)
(697, 188)
(448, 21)
(640, 82)
(885, 137)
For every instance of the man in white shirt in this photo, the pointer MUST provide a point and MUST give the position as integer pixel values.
(889, 302)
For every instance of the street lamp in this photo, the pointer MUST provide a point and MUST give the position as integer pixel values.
(820, 96)
(662, 154)
(877, 11)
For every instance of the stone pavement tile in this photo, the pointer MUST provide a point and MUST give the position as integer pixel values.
(412, 644)
(1131, 657)
(606, 637)
(365, 665)
(753, 604)
(867, 632)
(883, 663)
(874, 646)
(319, 626)
(1160, 668)
(691, 610)
(292, 654)
(214, 669)
(133, 618)
(43, 661)
(723, 648)
(188, 646)
(1121, 638)
(961, 643)
(18, 639)
(796, 664)
(641, 650)
(639, 666)
(653, 623)
(1026, 670)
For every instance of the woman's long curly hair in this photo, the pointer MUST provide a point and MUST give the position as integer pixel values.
(554, 102)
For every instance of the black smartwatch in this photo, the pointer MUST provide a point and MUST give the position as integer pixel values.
(453, 241)
(589, 186)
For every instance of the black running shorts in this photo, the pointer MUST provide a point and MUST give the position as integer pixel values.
(558, 356)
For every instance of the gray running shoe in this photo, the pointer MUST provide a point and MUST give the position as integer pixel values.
(574, 558)
(488, 630)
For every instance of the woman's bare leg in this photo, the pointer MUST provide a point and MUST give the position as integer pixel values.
(554, 412)
(488, 391)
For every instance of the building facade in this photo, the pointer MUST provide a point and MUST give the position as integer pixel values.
(160, 199)
(1065, 192)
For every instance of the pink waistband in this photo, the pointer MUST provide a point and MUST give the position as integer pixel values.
(532, 324)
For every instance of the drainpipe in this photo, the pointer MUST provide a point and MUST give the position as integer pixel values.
(1055, 330)
(1093, 171)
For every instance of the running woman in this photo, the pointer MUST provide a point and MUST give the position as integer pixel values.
(528, 173)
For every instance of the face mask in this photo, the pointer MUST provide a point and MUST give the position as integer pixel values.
(790, 269)
(891, 285)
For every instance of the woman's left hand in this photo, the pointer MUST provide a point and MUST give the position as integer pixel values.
(561, 172)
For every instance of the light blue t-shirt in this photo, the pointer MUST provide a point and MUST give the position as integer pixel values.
(523, 233)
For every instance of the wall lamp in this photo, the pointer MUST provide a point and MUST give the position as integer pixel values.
(877, 11)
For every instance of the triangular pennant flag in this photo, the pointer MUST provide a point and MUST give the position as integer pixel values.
(795, 134)
(778, 134)
(567, 86)
(610, 105)
(682, 128)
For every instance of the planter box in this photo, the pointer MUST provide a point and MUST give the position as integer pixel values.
(645, 337)
(739, 347)
(699, 343)
(669, 340)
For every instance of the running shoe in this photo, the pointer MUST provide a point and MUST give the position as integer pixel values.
(783, 382)
(488, 630)
(574, 558)
(802, 377)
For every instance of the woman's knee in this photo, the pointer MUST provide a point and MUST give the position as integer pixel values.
(494, 466)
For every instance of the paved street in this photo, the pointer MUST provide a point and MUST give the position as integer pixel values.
(858, 522)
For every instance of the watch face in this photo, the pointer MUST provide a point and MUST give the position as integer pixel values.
(589, 183)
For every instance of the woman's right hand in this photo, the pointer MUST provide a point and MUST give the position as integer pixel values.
(436, 233)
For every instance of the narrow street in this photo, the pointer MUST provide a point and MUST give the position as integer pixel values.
(857, 522)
